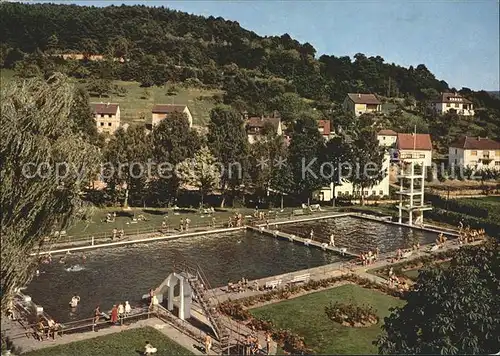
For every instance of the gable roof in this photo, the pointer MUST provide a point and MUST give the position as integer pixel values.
(167, 108)
(451, 98)
(259, 122)
(476, 143)
(387, 133)
(104, 108)
(358, 98)
(325, 125)
(418, 141)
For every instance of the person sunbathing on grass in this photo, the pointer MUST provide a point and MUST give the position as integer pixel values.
(149, 349)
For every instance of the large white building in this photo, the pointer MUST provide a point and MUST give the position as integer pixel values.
(475, 152)
(452, 102)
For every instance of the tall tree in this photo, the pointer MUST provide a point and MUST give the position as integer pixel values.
(201, 171)
(367, 162)
(305, 154)
(336, 160)
(228, 141)
(82, 116)
(453, 310)
(264, 154)
(173, 142)
(44, 167)
(126, 161)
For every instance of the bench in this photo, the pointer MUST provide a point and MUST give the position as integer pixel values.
(298, 212)
(301, 278)
(273, 284)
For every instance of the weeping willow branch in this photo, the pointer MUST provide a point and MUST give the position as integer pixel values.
(37, 133)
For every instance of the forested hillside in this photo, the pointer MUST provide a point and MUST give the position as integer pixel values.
(160, 46)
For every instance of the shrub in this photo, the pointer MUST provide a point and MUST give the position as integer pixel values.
(351, 314)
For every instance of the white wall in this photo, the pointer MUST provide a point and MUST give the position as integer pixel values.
(387, 140)
(466, 158)
(347, 188)
(442, 108)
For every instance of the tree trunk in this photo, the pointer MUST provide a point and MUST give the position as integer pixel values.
(201, 201)
(333, 195)
(125, 203)
(282, 201)
(362, 197)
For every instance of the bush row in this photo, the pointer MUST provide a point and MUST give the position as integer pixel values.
(469, 207)
(398, 268)
(490, 225)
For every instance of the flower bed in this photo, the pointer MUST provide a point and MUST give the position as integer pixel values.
(351, 314)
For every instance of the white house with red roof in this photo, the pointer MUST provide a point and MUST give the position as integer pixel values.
(476, 152)
(106, 116)
(414, 147)
(452, 102)
(162, 111)
(360, 104)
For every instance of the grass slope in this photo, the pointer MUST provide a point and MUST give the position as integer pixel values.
(125, 343)
(136, 109)
(306, 317)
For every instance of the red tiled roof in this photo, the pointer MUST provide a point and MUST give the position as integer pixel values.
(325, 124)
(104, 108)
(417, 141)
(364, 98)
(476, 143)
(167, 108)
(451, 98)
(258, 122)
(387, 133)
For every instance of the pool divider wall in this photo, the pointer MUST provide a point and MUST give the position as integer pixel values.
(224, 230)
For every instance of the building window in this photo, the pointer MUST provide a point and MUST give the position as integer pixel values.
(102, 123)
(109, 124)
(448, 105)
(109, 116)
(497, 163)
(456, 105)
(421, 155)
(374, 192)
(365, 193)
(473, 153)
(102, 115)
(456, 151)
(381, 193)
(497, 153)
(455, 161)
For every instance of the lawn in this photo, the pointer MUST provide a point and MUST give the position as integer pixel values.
(306, 316)
(129, 342)
(135, 106)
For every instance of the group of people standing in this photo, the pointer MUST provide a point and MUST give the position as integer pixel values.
(184, 224)
(118, 313)
(469, 235)
(235, 221)
(369, 257)
(253, 347)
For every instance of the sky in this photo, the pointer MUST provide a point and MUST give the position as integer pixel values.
(458, 41)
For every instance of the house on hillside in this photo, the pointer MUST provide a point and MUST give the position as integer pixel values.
(256, 126)
(106, 116)
(162, 111)
(324, 127)
(387, 138)
(476, 152)
(359, 104)
(414, 147)
(452, 102)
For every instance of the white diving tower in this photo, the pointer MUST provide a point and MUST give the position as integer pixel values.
(411, 177)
